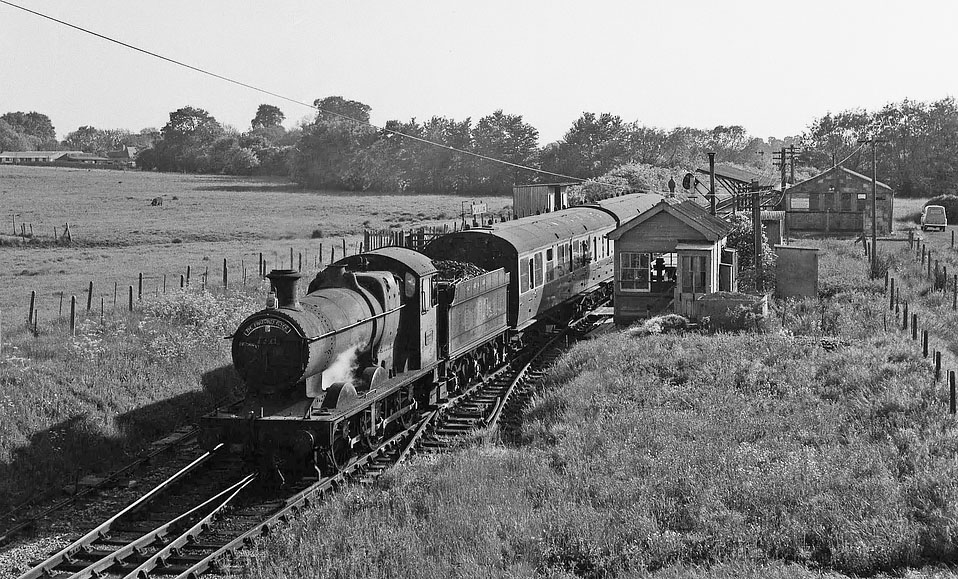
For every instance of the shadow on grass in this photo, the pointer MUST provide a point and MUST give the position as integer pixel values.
(58, 457)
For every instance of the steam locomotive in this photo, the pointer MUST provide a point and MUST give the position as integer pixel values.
(380, 336)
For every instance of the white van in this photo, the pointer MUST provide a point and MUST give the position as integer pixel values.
(934, 217)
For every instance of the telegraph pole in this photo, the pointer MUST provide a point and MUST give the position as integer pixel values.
(712, 183)
(874, 248)
(791, 163)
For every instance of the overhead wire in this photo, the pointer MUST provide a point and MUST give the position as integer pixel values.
(285, 98)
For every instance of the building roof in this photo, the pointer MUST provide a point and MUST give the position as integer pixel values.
(691, 213)
(744, 176)
(84, 157)
(855, 174)
(124, 153)
(32, 154)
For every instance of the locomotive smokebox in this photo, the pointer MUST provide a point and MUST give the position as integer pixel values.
(284, 280)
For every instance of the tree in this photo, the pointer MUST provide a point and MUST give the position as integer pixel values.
(13, 140)
(506, 137)
(331, 147)
(597, 144)
(186, 141)
(33, 124)
(741, 239)
(268, 116)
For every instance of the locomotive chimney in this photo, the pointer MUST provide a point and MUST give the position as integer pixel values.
(284, 280)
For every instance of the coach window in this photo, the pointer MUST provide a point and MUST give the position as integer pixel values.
(635, 269)
(550, 265)
(523, 276)
(537, 268)
(562, 259)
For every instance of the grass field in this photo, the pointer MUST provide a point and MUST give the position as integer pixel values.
(73, 406)
(118, 234)
(820, 448)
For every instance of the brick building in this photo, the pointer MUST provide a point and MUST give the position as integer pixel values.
(837, 202)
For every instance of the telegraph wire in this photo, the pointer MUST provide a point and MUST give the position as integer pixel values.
(285, 98)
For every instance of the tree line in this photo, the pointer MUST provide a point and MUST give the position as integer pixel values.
(338, 149)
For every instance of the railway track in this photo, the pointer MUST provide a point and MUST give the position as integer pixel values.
(210, 508)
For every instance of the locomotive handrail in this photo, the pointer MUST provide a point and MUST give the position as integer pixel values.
(353, 325)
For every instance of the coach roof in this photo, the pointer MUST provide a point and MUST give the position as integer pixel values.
(626, 207)
(535, 232)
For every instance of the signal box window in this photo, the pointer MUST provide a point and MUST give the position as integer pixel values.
(693, 274)
(636, 271)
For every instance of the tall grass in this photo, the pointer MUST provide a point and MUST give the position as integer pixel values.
(821, 447)
(76, 405)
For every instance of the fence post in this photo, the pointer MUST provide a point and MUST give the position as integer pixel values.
(937, 366)
(952, 238)
(924, 343)
(139, 288)
(182, 281)
(225, 275)
(904, 318)
(33, 303)
(891, 296)
(131, 298)
(114, 294)
(951, 390)
(954, 294)
(73, 315)
(914, 326)
(164, 283)
(1, 330)
(300, 261)
(60, 315)
(187, 276)
(89, 297)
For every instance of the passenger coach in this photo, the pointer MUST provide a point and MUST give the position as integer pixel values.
(560, 258)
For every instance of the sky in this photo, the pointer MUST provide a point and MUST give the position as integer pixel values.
(772, 67)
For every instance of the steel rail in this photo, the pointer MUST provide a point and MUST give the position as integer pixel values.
(110, 478)
(44, 569)
(159, 558)
(301, 499)
(493, 417)
(97, 568)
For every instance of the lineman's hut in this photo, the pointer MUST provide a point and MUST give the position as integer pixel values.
(539, 198)
(669, 256)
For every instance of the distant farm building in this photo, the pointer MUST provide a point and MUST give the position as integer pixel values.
(84, 159)
(669, 256)
(19, 157)
(838, 201)
(538, 199)
(125, 157)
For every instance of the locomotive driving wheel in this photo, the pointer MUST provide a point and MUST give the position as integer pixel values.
(340, 452)
(371, 434)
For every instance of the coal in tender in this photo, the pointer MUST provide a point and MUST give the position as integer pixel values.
(454, 271)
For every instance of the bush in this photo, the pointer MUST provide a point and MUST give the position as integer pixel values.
(949, 202)
(317, 234)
